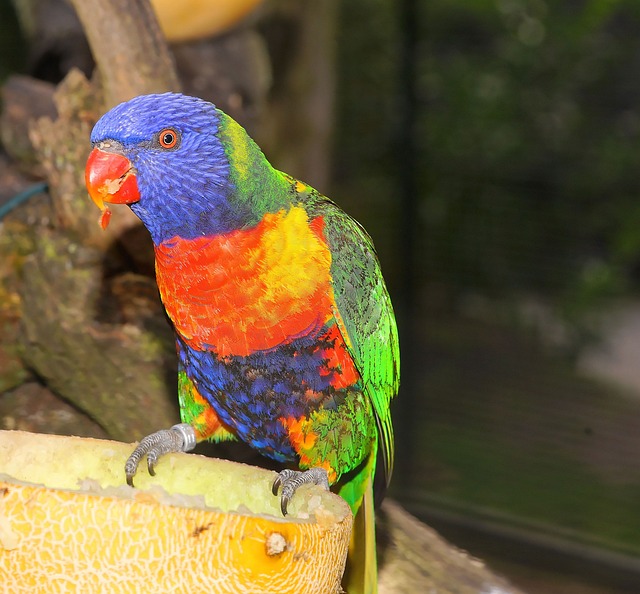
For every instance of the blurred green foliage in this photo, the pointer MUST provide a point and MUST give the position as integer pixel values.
(510, 430)
(531, 182)
(365, 167)
(527, 153)
(527, 145)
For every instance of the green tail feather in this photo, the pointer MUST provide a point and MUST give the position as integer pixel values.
(361, 575)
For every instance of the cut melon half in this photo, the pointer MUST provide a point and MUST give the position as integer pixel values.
(196, 19)
(69, 523)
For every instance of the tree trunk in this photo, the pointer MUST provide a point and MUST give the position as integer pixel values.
(128, 47)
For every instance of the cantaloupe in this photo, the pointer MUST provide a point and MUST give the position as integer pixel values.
(183, 20)
(69, 523)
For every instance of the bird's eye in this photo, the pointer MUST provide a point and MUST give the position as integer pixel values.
(168, 138)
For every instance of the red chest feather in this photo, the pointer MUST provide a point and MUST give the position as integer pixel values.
(251, 289)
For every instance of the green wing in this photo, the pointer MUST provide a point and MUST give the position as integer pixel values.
(365, 308)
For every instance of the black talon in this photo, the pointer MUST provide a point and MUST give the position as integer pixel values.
(131, 467)
(276, 485)
(284, 502)
(154, 454)
(290, 480)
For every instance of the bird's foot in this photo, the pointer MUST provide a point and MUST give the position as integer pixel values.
(180, 438)
(290, 480)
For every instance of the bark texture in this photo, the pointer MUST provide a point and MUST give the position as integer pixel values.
(414, 558)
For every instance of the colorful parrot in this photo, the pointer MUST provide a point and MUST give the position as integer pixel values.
(285, 332)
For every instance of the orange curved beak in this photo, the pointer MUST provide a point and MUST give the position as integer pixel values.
(110, 177)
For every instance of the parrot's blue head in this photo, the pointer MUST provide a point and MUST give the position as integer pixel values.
(173, 159)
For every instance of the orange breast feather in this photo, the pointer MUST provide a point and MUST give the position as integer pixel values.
(251, 289)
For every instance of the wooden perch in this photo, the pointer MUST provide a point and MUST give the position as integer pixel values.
(126, 42)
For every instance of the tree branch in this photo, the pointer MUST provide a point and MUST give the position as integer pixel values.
(141, 65)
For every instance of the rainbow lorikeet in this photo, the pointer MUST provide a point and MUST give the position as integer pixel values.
(285, 333)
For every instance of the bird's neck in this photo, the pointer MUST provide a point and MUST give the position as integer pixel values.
(255, 187)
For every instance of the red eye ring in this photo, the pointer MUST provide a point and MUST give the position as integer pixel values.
(168, 138)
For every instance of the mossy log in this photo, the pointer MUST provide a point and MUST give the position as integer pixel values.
(77, 334)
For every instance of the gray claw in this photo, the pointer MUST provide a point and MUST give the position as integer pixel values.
(152, 458)
(180, 438)
(290, 480)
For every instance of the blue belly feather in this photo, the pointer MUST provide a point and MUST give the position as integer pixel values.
(251, 394)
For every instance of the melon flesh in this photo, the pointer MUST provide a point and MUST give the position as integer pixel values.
(69, 523)
(196, 19)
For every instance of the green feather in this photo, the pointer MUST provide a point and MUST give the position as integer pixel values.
(258, 187)
(365, 308)
(366, 320)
